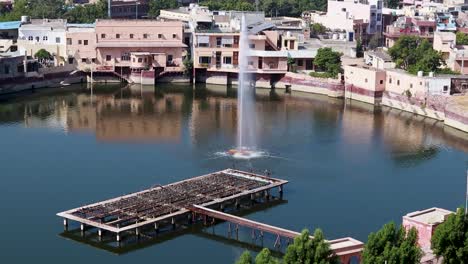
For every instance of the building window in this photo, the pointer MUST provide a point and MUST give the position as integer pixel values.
(300, 63)
(30, 38)
(80, 42)
(250, 63)
(398, 82)
(84, 60)
(145, 36)
(365, 80)
(140, 60)
(37, 39)
(174, 36)
(117, 36)
(108, 57)
(131, 36)
(252, 46)
(343, 9)
(227, 60)
(85, 42)
(93, 60)
(103, 36)
(445, 88)
(160, 36)
(204, 60)
(69, 41)
(169, 59)
(410, 85)
(125, 56)
(420, 83)
(7, 69)
(390, 80)
(57, 40)
(381, 82)
(45, 38)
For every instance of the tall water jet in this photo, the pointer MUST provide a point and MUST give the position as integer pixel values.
(246, 114)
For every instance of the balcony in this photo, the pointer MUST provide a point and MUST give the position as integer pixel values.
(396, 32)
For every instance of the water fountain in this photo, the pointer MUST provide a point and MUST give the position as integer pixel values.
(246, 114)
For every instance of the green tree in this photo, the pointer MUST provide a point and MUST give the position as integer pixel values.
(245, 258)
(392, 3)
(462, 38)
(47, 8)
(43, 54)
(317, 28)
(450, 239)
(329, 61)
(20, 9)
(415, 54)
(307, 250)
(264, 257)
(156, 5)
(188, 66)
(87, 13)
(392, 245)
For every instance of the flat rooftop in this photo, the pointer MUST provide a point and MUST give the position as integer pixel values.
(163, 202)
(429, 216)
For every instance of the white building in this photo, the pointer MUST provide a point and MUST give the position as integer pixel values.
(344, 14)
(48, 34)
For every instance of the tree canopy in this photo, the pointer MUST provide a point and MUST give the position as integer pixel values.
(414, 54)
(303, 250)
(42, 54)
(462, 38)
(156, 5)
(328, 61)
(307, 250)
(270, 7)
(392, 245)
(450, 239)
(392, 3)
(87, 13)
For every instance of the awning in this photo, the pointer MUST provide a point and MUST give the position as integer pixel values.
(227, 41)
(203, 39)
(204, 53)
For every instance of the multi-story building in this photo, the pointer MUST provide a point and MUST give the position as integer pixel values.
(47, 34)
(81, 45)
(9, 36)
(409, 26)
(133, 46)
(456, 56)
(129, 9)
(216, 50)
(349, 15)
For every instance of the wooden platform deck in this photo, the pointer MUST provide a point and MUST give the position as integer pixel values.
(162, 203)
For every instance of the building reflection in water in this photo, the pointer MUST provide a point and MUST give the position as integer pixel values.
(167, 114)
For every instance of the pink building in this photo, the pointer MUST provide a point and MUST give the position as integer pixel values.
(425, 223)
(143, 49)
(81, 45)
(365, 84)
(216, 56)
(409, 26)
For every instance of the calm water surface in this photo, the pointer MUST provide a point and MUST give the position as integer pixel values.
(351, 168)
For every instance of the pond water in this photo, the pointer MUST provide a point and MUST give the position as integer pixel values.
(351, 168)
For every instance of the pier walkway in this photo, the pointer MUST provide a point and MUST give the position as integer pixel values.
(185, 200)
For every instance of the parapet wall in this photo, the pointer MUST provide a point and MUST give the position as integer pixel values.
(308, 84)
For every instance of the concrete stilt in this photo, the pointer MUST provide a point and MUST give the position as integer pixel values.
(156, 227)
(82, 227)
(118, 237)
(65, 224)
(237, 204)
(137, 232)
(99, 232)
(173, 223)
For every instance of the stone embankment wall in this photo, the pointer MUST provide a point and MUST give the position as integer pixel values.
(308, 84)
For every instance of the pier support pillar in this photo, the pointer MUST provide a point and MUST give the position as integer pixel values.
(173, 223)
(252, 198)
(267, 195)
(82, 227)
(99, 232)
(65, 224)
(237, 204)
(221, 207)
(280, 190)
(118, 237)
(137, 232)
(156, 227)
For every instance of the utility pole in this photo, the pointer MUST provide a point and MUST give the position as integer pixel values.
(466, 196)
(109, 3)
